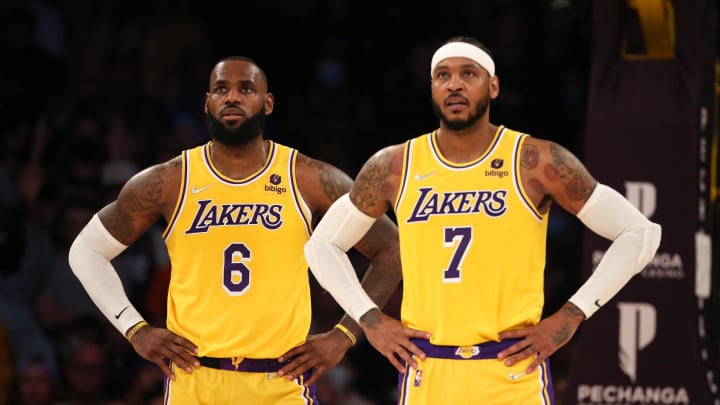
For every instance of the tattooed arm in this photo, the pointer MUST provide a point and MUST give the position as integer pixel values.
(377, 183)
(142, 201)
(343, 226)
(145, 198)
(321, 184)
(375, 186)
(551, 173)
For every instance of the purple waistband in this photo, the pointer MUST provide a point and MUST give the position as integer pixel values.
(246, 365)
(487, 350)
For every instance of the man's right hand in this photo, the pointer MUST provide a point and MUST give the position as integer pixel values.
(392, 339)
(158, 345)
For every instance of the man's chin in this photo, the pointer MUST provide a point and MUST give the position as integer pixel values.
(230, 124)
(233, 131)
(457, 125)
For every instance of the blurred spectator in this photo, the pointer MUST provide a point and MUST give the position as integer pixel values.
(21, 242)
(337, 387)
(147, 385)
(36, 382)
(85, 364)
(63, 299)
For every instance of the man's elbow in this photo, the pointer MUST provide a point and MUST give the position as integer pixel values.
(651, 236)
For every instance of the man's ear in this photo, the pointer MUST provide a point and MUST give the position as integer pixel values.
(269, 103)
(494, 87)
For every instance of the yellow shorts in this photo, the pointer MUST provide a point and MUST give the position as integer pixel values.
(475, 381)
(212, 386)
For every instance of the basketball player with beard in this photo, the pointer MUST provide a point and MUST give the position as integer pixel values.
(239, 210)
(472, 201)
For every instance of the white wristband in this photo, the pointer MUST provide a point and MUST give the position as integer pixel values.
(635, 241)
(341, 228)
(90, 256)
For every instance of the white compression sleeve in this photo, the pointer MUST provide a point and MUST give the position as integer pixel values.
(341, 228)
(635, 241)
(90, 256)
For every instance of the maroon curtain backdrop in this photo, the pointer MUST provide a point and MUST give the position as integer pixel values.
(648, 133)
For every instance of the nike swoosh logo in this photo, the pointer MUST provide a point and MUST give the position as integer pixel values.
(597, 303)
(419, 177)
(121, 312)
(197, 190)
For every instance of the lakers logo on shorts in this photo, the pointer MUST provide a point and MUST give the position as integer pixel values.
(418, 378)
(236, 362)
(467, 352)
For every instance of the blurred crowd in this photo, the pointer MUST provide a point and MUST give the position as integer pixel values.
(92, 91)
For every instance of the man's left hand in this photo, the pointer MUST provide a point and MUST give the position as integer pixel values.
(319, 353)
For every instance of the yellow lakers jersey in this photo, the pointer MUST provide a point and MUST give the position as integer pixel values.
(472, 244)
(239, 282)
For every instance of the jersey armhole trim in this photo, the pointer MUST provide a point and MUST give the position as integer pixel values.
(517, 157)
(300, 204)
(185, 167)
(405, 173)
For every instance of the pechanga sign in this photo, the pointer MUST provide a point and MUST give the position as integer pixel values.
(647, 138)
(611, 394)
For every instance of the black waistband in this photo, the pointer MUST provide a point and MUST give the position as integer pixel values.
(246, 365)
(487, 350)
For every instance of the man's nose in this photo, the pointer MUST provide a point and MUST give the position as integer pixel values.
(233, 96)
(455, 83)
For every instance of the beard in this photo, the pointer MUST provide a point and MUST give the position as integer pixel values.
(240, 135)
(459, 124)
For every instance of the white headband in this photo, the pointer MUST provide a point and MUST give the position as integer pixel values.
(463, 50)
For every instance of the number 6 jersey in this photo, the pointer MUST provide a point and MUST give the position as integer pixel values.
(472, 245)
(239, 280)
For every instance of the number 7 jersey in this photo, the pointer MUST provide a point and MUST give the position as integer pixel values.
(239, 284)
(472, 244)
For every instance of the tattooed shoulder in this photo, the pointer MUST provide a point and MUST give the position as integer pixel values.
(144, 191)
(568, 169)
(529, 156)
(373, 181)
(377, 169)
(333, 182)
(142, 200)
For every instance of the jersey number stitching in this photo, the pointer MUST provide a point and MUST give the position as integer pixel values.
(236, 275)
(452, 273)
